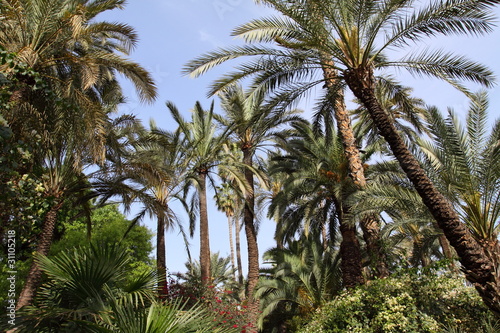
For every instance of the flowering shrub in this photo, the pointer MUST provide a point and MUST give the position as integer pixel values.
(430, 301)
(228, 310)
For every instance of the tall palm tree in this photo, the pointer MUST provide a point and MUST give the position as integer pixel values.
(224, 199)
(146, 171)
(201, 147)
(314, 195)
(251, 126)
(291, 69)
(464, 162)
(76, 59)
(355, 35)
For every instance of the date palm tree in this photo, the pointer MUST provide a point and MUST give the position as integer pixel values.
(464, 162)
(77, 57)
(314, 195)
(355, 36)
(145, 171)
(252, 127)
(201, 147)
(302, 277)
(76, 60)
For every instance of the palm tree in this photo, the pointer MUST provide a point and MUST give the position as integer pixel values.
(82, 285)
(302, 277)
(292, 69)
(251, 126)
(314, 195)
(355, 35)
(146, 171)
(75, 59)
(410, 233)
(87, 292)
(201, 147)
(224, 198)
(464, 162)
(222, 274)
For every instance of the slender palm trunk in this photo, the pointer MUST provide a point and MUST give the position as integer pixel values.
(370, 227)
(231, 243)
(204, 233)
(478, 267)
(161, 257)
(251, 234)
(238, 250)
(44, 242)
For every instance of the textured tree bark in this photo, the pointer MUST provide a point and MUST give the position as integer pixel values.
(231, 243)
(251, 234)
(478, 267)
(370, 227)
(350, 254)
(161, 257)
(238, 251)
(44, 242)
(204, 232)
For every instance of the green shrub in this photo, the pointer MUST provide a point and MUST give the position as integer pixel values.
(413, 301)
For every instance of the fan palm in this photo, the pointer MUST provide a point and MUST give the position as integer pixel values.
(83, 296)
(82, 285)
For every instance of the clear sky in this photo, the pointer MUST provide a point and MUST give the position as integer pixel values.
(172, 32)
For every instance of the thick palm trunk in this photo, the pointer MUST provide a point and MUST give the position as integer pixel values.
(204, 233)
(251, 234)
(238, 251)
(44, 242)
(350, 255)
(370, 227)
(161, 257)
(231, 243)
(478, 267)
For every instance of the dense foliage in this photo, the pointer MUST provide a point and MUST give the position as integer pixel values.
(357, 237)
(428, 300)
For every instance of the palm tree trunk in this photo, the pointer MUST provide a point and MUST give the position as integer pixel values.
(251, 234)
(204, 233)
(238, 251)
(371, 229)
(370, 224)
(161, 257)
(44, 242)
(231, 243)
(350, 254)
(478, 267)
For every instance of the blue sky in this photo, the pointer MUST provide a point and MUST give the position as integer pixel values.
(172, 32)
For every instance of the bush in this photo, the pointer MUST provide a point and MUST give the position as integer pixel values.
(414, 301)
